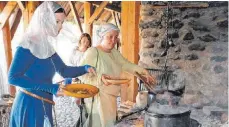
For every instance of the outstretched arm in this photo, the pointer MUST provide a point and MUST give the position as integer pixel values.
(23, 59)
(68, 71)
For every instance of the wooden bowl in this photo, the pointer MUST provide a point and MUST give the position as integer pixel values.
(118, 81)
(80, 90)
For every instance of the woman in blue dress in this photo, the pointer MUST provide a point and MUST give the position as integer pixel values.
(34, 65)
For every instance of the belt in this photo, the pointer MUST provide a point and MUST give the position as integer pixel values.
(38, 97)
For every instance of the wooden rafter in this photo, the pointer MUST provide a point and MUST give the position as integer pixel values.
(81, 9)
(7, 11)
(114, 17)
(109, 15)
(76, 15)
(118, 20)
(103, 16)
(21, 5)
(199, 5)
(2, 5)
(109, 7)
(15, 23)
(98, 11)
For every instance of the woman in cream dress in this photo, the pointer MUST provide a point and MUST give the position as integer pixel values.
(109, 63)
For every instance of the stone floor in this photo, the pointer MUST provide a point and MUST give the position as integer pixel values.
(68, 113)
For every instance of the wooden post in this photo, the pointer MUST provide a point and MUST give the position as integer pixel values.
(8, 50)
(130, 39)
(87, 15)
(28, 12)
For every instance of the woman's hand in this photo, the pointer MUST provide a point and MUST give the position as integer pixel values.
(150, 79)
(90, 69)
(104, 79)
(60, 91)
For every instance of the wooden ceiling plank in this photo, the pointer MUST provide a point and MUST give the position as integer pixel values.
(109, 7)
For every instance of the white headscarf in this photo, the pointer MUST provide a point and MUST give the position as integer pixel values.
(42, 31)
(104, 29)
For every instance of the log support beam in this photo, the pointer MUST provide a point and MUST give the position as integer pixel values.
(87, 15)
(130, 40)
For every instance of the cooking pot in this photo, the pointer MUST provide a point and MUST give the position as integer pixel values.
(155, 119)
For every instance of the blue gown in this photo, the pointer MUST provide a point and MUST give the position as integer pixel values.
(35, 75)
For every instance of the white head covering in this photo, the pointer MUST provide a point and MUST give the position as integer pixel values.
(42, 30)
(104, 29)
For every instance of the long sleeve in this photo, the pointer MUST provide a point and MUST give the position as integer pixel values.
(22, 61)
(90, 58)
(126, 65)
(67, 71)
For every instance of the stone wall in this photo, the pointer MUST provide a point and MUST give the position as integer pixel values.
(200, 50)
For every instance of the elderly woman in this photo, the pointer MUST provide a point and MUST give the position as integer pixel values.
(33, 67)
(109, 63)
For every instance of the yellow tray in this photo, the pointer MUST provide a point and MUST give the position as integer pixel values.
(80, 90)
(118, 81)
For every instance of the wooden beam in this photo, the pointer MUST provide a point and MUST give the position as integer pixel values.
(130, 39)
(2, 5)
(8, 50)
(30, 7)
(118, 20)
(199, 5)
(7, 11)
(76, 15)
(81, 9)
(21, 5)
(108, 16)
(87, 15)
(114, 17)
(104, 16)
(15, 24)
(109, 7)
(98, 11)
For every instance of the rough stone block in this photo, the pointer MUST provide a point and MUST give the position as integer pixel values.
(191, 57)
(218, 58)
(218, 69)
(177, 24)
(194, 15)
(188, 36)
(223, 24)
(197, 46)
(213, 111)
(207, 38)
(224, 118)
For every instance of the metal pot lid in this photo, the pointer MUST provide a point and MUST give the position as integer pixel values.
(156, 108)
